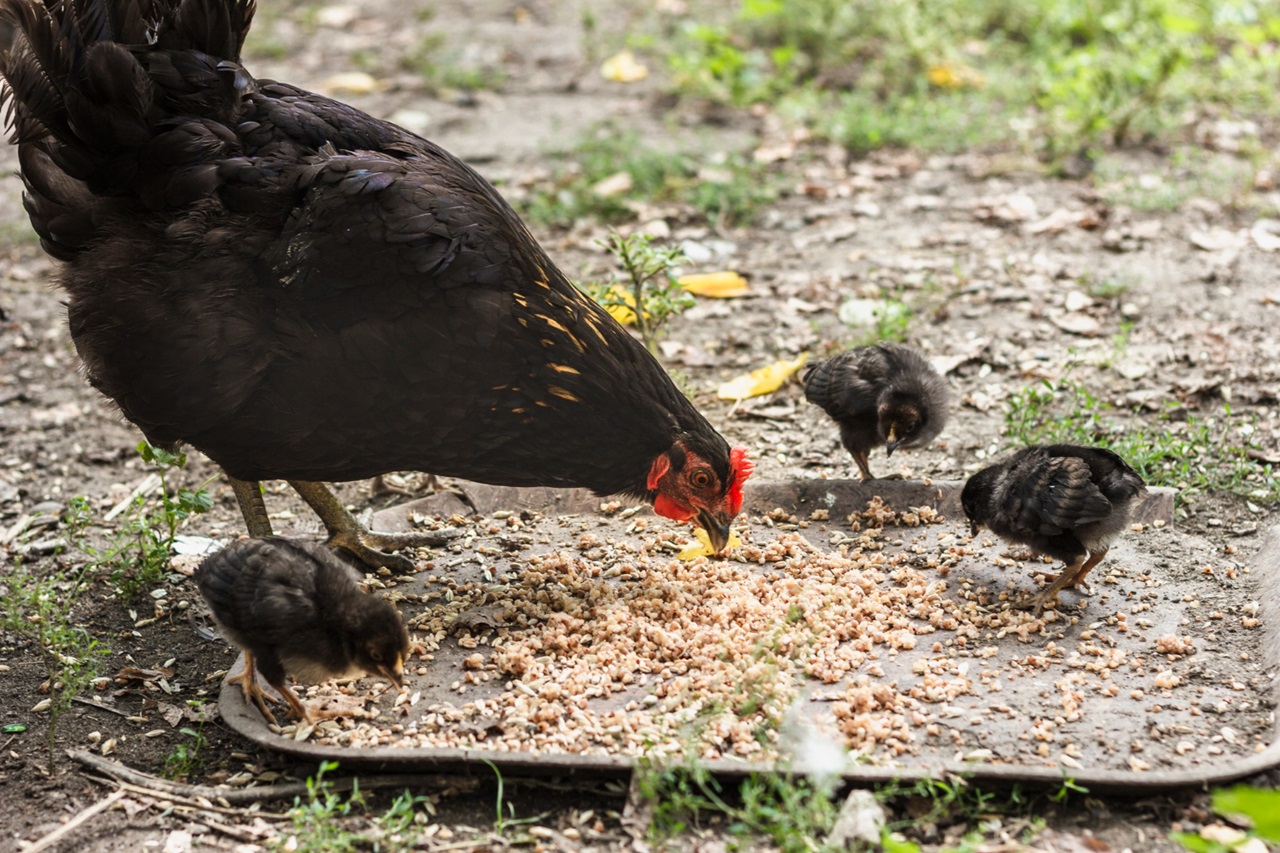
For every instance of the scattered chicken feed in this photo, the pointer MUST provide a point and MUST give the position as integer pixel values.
(880, 633)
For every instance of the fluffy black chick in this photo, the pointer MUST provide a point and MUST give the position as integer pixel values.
(295, 608)
(1066, 501)
(886, 394)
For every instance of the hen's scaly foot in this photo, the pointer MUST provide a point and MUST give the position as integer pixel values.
(368, 546)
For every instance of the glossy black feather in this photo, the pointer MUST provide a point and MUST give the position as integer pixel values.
(867, 389)
(298, 609)
(1061, 500)
(302, 291)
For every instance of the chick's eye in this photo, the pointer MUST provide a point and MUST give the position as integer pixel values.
(700, 478)
(375, 655)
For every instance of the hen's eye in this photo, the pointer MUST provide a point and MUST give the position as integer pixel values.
(700, 478)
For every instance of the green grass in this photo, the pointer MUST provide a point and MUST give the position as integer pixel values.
(797, 814)
(1188, 173)
(1061, 76)
(792, 812)
(39, 606)
(727, 190)
(443, 67)
(328, 822)
(1195, 454)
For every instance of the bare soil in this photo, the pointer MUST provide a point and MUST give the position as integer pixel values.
(989, 251)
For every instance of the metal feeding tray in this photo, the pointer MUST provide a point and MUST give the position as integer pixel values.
(564, 636)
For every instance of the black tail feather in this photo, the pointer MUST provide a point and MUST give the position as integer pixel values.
(93, 88)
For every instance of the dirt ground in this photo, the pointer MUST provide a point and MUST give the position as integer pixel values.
(994, 257)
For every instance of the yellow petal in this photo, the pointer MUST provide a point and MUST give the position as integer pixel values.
(702, 548)
(762, 381)
(623, 67)
(718, 285)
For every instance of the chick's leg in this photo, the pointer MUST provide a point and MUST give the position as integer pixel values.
(1069, 576)
(364, 544)
(296, 708)
(1094, 558)
(249, 687)
(863, 458)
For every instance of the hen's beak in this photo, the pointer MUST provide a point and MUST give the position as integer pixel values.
(891, 442)
(717, 530)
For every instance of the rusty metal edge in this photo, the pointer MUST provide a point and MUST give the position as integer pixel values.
(246, 721)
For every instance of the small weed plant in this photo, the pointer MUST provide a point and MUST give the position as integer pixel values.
(185, 760)
(136, 557)
(646, 293)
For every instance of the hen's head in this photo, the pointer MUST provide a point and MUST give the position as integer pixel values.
(700, 486)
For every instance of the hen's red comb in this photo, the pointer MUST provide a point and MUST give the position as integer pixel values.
(741, 467)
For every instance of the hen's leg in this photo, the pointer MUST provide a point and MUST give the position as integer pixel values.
(346, 533)
(249, 687)
(1070, 576)
(249, 496)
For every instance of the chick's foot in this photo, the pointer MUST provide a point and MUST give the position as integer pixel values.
(253, 694)
(1071, 576)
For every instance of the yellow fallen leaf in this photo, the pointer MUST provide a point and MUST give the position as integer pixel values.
(718, 285)
(623, 67)
(702, 548)
(349, 83)
(622, 305)
(761, 381)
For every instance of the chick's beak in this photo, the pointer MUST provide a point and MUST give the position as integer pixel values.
(396, 672)
(891, 442)
(974, 527)
(717, 530)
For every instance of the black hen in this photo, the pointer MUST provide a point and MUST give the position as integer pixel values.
(886, 394)
(304, 292)
(296, 609)
(1065, 501)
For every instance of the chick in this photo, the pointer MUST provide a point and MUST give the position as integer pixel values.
(1066, 501)
(883, 394)
(295, 608)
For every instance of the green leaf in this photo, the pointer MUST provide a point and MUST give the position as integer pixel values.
(13, 729)
(897, 845)
(1261, 806)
